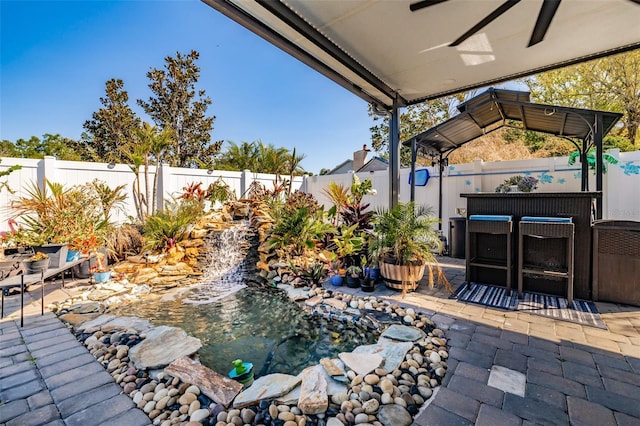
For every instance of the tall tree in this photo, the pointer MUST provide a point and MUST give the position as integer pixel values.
(177, 105)
(611, 83)
(54, 145)
(111, 126)
(414, 120)
(261, 158)
(146, 151)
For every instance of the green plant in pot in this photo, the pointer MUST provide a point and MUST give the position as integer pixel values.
(407, 240)
(354, 273)
(39, 262)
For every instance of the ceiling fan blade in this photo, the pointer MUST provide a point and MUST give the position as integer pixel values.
(425, 3)
(487, 20)
(547, 11)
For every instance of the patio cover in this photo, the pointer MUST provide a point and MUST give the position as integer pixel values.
(496, 108)
(402, 52)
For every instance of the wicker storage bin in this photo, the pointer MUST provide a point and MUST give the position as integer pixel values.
(616, 261)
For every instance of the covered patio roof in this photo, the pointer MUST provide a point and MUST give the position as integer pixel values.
(402, 52)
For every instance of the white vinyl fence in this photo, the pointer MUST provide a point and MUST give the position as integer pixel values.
(171, 180)
(621, 183)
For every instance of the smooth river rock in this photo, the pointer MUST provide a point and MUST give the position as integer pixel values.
(403, 333)
(219, 388)
(162, 346)
(394, 415)
(266, 387)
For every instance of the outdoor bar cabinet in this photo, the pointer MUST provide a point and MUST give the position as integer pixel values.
(577, 205)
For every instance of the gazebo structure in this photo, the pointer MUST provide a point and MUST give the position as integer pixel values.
(495, 109)
(398, 53)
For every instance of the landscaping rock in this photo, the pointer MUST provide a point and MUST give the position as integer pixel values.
(162, 346)
(266, 387)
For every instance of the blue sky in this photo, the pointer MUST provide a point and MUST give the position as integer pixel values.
(57, 55)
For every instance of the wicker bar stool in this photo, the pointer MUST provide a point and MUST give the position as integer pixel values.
(494, 253)
(539, 253)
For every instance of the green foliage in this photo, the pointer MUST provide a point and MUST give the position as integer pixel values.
(524, 184)
(618, 142)
(50, 145)
(260, 158)
(349, 244)
(298, 231)
(167, 227)
(220, 191)
(406, 233)
(314, 273)
(414, 120)
(78, 215)
(11, 169)
(176, 104)
(112, 126)
(611, 84)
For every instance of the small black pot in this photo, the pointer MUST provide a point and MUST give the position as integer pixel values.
(368, 286)
(353, 282)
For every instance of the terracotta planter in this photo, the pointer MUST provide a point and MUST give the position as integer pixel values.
(402, 277)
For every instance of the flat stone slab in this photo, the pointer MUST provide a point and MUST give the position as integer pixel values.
(76, 319)
(266, 387)
(390, 351)
(97, 322)
(313, 301)
(335, 303)
(403, 333)
(313, 391)
(136, 324)
(333, 387)
(507, 380)
(219, 388)
(362, 362)
(295, 293)
(162, 346)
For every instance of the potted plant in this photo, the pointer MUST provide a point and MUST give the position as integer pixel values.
(39, 262)
(99, 270)
(518, 184)
(354, 273)
(407, 241)
(335, 277)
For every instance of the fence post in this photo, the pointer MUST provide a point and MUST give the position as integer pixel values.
(477, 174)
(47, 171)
(164, 182)
(245, 182)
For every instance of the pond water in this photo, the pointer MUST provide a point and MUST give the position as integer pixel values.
(258, 325)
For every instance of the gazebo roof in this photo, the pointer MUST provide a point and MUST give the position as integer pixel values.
(495, 108)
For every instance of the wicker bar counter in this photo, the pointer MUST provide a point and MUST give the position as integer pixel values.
(578, 205)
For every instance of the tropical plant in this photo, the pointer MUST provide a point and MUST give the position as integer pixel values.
(349, 242)
(56, 214)
(354, 271)
(314, 273)
(407, 236)
(125, 240)
(219, 191)
(298, 231)
(167, 227)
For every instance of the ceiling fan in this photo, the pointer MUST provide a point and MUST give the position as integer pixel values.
(546, 14)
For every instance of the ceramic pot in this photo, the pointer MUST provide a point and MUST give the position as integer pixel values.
(100, 277)
(336, 280)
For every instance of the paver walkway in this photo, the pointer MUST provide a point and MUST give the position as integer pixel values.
(505, 368)
(48, 377)
(511, 368)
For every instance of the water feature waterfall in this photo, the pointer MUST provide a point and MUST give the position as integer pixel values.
(227, 267)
